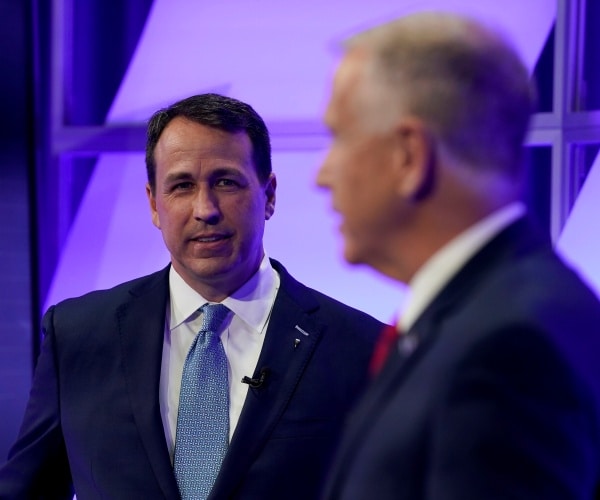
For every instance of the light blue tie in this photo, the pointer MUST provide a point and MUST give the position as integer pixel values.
(202, 433)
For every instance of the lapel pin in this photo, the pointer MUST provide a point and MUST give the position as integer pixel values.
(296, 342)
(408, 343)
(303, 332)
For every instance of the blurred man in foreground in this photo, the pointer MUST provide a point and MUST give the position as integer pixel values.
(493, 389)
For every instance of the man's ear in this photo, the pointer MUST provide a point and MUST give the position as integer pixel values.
(270, 189)
(152, 202)
(414, 159)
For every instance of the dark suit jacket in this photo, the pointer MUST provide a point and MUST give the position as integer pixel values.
(94, 417)
(493, 394)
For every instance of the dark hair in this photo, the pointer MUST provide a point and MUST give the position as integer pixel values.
(217, 111)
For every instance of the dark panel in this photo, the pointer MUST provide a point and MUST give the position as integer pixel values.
(537, 183)
(16, 332)
(591, 65)
(543, 75)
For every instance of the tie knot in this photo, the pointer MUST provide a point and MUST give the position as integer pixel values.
(213, 316)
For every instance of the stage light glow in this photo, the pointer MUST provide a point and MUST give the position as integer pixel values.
(279, 58)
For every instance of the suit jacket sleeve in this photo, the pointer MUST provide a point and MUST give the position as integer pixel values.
(37, 465)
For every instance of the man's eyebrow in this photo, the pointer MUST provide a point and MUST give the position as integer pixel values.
(174, 177)
(226, 171)
(177, 176)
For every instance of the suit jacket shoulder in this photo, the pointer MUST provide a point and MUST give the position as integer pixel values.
(104, 303)
(94, 399)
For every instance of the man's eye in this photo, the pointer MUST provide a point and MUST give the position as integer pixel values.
(226, 183)
(182, 186)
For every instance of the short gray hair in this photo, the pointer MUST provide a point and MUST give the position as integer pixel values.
(463, 79)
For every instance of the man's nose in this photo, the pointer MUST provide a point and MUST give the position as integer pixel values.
(323, 178)
(206, 206)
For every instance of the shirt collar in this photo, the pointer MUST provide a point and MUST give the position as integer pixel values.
(446, 262)
(252, 302)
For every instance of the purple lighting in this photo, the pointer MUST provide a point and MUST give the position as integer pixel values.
(278, 57)
(580, 240)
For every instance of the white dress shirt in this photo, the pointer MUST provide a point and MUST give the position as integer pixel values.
(447, 261)
(242, 340)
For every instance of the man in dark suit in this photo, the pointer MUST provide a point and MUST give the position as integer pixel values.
(493, 389)
(103, 410)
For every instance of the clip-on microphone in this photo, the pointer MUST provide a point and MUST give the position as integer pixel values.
(257, 382)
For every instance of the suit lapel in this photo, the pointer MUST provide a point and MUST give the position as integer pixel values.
(141, 327)
(516, 240)
(364, 416)
(286, 360)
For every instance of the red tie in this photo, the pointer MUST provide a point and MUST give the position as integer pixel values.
(387, 339)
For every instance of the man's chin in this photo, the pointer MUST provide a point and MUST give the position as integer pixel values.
(205, 270)
(352, 256)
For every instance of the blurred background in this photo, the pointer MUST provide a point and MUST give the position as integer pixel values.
(80, 78)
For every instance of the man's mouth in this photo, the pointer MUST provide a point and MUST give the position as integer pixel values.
(210, 238)
(206, 239)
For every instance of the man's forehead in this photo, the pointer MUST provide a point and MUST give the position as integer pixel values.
(346, 86)
(350, 68)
